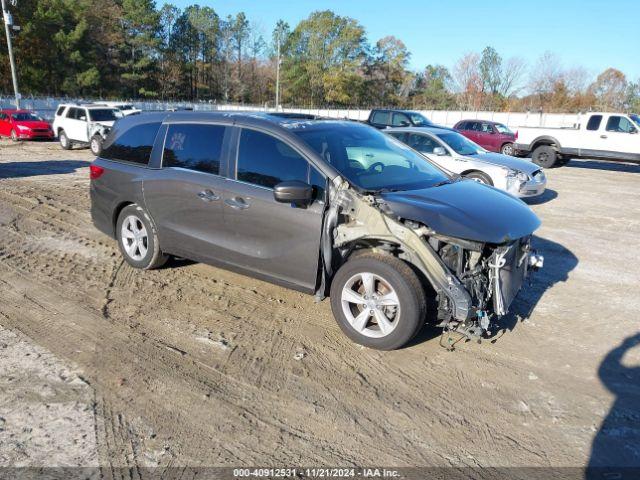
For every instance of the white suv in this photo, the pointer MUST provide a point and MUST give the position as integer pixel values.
(84, 125)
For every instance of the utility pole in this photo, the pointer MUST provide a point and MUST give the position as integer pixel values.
(277, 72)
(8, 23)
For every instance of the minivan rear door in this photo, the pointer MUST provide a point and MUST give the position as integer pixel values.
(185, 195)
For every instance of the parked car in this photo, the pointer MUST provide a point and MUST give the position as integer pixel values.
(23, 125)
(605, 136)
(493, 136)
(126, 108)
(384, 118)
(86, 125)
(458, 154)
(290, 201)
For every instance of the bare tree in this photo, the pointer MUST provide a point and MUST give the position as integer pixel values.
(513, 74)
(467, 81)
(546, 73)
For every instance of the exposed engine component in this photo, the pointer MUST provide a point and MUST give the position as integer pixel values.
(474, 282)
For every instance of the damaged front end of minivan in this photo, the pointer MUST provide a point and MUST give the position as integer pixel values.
(475, 279)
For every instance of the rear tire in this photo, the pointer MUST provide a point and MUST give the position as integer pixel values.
(545, 156)
(507, 149)
(96, 145)
(479, 177)
(138, 239)
(378, 301)
(65, 143)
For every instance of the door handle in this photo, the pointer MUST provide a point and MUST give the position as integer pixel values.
(237, 203)
(603, 136)
(208, 196)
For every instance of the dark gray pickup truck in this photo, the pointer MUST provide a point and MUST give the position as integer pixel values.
(325, 207)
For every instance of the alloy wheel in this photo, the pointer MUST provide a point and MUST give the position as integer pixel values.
(134, 238)
(371, 305)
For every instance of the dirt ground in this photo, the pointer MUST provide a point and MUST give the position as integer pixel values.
(191, 365)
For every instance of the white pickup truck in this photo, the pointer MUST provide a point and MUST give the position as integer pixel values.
(606, 136)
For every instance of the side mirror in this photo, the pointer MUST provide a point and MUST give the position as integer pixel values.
(293, 191)
(404, 123)
(439, 151)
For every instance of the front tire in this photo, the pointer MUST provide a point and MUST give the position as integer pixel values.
(378, 301)
(545, 156)
(96, 145)
(479, 177)
(507, 149)
(65, 143)
(138, 239)
(14, 136)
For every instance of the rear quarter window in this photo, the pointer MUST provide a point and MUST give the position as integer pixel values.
(60, 111)
(133, 145)
(380, 118)
(594, 122)
(194, 147)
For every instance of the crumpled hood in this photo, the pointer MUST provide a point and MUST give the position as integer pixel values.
(466, 209)
(507, 161)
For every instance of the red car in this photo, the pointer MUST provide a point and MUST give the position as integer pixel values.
(493, 136)
(23, 125)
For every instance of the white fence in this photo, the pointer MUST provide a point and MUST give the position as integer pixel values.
(47, 106)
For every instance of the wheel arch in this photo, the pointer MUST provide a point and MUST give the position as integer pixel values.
(384, 246)
(545, 140)
(475, 170)
(116, 213)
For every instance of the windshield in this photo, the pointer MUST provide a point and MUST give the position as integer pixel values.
(103, 115)
(503, 129)
(459, 144)
(635, 118)
(26, 117)
(419, 120)
(370, 159)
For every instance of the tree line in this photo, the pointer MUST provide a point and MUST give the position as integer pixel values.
(136, 50)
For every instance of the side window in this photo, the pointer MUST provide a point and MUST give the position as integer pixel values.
(487, 128)
(462, 126)
(619, 124)
(422, 143)
(594, 122)
(193, 146)
(60, 111)
(3, 117)
(319, 183)
(82, 114)
(402, 136)
(400, 120)
(476, 126)
(134, 145)
(380, 118)
(72, 113)
(266, 161)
